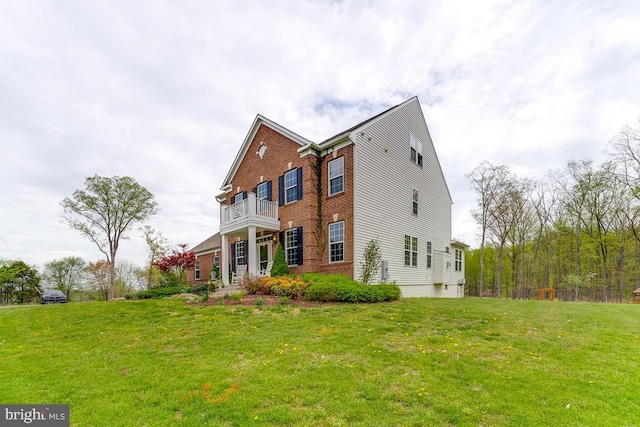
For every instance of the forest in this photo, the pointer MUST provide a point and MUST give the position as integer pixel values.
(575, 230)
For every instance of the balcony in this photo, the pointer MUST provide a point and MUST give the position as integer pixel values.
(250, 212)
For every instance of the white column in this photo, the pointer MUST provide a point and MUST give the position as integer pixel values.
(252, 252)
(224, 264)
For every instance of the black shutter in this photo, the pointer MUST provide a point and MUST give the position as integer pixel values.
(300, 246)
(299, 184)
(232, 200)
(281, 191)
(269, 190)
(244, 195)
(233, 257)
(254, 190)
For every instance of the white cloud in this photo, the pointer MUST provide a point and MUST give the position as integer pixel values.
(165, 92)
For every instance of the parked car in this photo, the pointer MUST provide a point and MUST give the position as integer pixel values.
(52, 296)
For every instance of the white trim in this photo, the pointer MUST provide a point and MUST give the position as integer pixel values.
(253, 130)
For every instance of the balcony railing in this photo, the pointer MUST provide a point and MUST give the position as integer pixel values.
(249, 210)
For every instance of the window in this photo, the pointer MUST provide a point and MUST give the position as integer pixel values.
(429, 253)
(416, 150)
(262, 191)
(290, 186)
(241, 254)
(336, 176)
(196, 269)
(415, 201)
(336, 241)
(291, 246)
(458, 262)
(410, 251)
(216, 261)
(238, 197)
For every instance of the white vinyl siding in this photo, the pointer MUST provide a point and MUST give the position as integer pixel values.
(380, 168)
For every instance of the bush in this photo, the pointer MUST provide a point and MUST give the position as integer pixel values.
(280, 267)
(288, 286)
(163, 292)
(282, 286)
(339, 288)
(200, 289)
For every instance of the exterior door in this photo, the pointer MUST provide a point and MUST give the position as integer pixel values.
(264, 254)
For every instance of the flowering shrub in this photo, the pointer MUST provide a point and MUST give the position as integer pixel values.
(287, 286)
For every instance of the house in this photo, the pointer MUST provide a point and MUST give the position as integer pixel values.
(207, 255)
(324, 202)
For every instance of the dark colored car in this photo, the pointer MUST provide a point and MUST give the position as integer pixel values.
(52, 295)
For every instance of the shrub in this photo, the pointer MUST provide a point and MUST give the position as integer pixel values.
(339, 288)
(280, 267)
(163, 292)
(371, 263)
(253, 286)
(237, 296)
(289, 286)
(200, 289)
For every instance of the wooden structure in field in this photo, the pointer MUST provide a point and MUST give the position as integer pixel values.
(636, 296)
(547, 294)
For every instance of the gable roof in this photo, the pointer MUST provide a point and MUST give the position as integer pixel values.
(344, 133)
(211, 243)
(307, 146)
(259, 120)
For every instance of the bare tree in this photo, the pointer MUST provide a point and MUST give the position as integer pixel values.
(486, 179)
(105, 210)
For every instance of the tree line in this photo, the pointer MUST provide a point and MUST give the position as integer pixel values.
(576, 230)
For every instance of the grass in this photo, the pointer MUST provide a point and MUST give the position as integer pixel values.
(415, 362)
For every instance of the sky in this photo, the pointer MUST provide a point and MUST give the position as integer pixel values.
(165, 92)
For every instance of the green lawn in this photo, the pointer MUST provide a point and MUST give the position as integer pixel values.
(417, 362)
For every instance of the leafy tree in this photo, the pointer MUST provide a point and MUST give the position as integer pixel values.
(176, 264)
(67, 274)
(371, 263)
(19, 283)
(157, 247)
(280, 266)
(100, 273)
(105, 210)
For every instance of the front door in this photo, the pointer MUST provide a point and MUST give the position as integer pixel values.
(264, 253)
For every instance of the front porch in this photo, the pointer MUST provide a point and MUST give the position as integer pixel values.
(242, 222)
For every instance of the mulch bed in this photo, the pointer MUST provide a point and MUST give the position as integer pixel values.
(267, 301)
